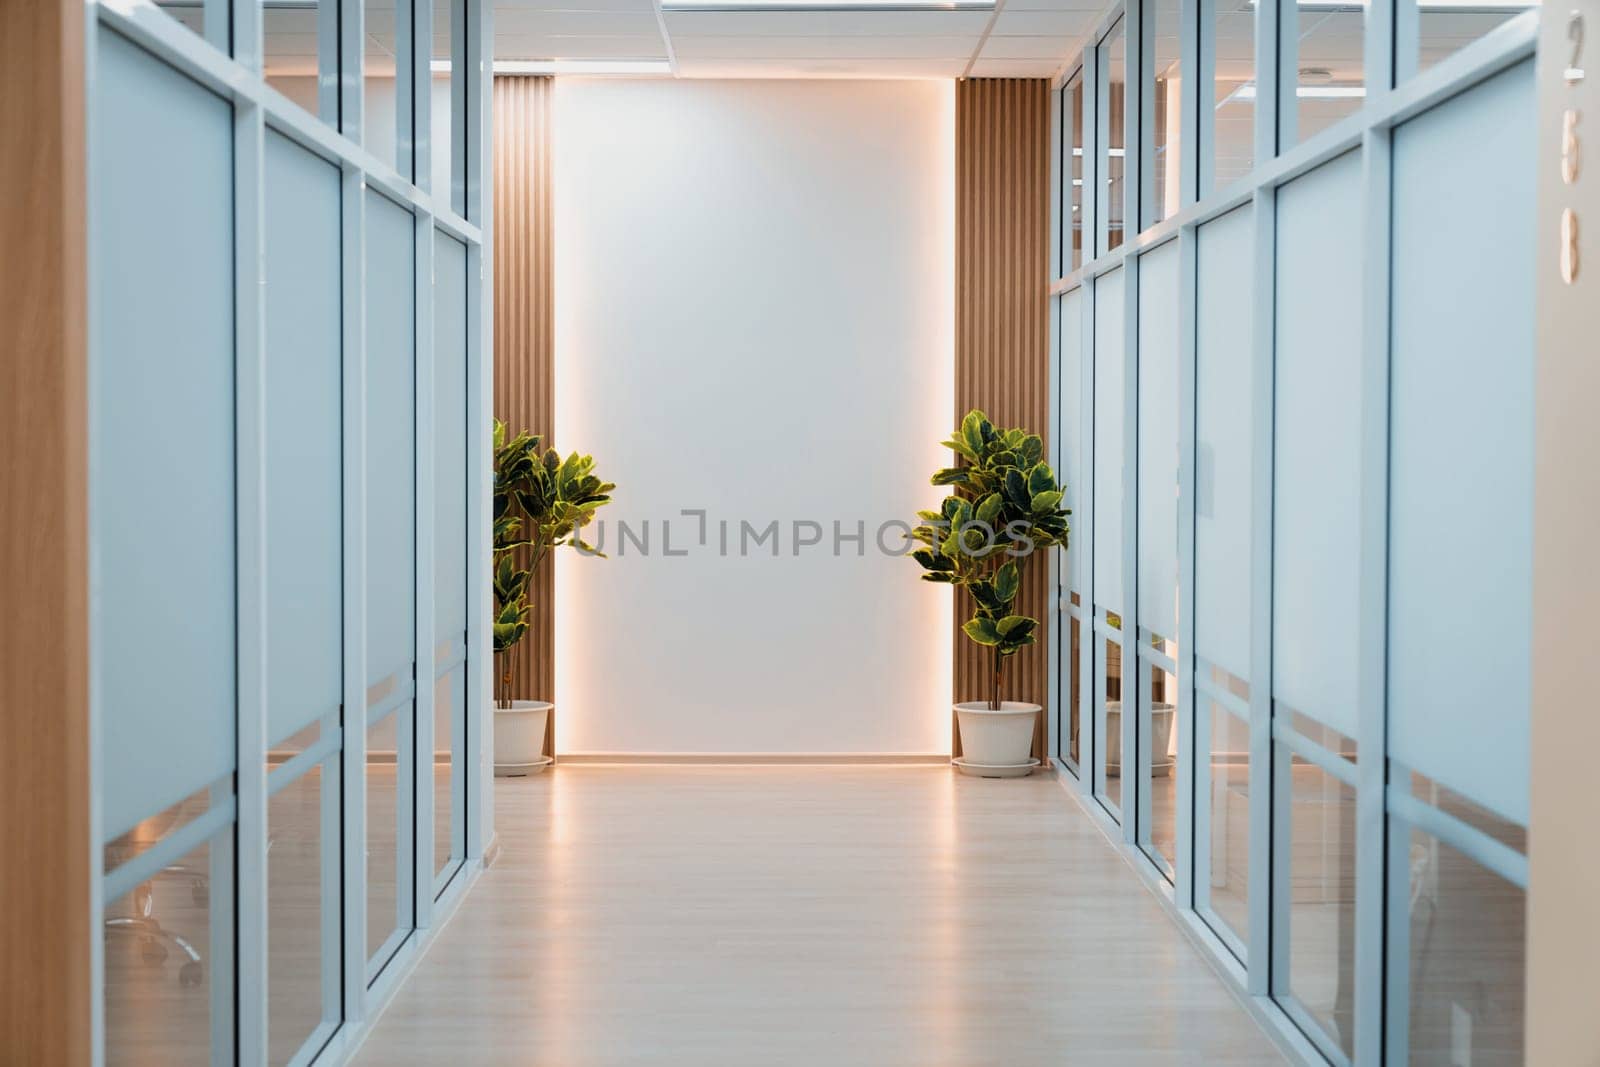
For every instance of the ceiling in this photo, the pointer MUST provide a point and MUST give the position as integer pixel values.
(1020, 39)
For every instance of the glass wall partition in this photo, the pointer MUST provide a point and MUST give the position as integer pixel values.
(1157, 526)
(1110, 115)
(1163, 118)
(1227, 126)
(1106, 629)
(1072, 214)
(391, 575)
(305, 603)
(264, 488)
(1326, 367)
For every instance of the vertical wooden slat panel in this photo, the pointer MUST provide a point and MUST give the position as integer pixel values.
(524, 328)
(1002, 334)
(46, 931)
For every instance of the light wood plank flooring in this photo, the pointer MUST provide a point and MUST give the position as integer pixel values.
(815, 915)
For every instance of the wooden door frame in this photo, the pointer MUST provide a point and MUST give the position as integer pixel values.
(46, 926)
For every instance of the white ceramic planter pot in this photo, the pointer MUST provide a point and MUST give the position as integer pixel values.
(519, 738)
(991, 738)
(1162, 717)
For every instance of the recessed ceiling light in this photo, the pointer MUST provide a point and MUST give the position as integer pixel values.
(827, 5)
(582, 66)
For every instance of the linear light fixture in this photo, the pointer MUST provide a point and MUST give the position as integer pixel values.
(582, 66)
(1247, 91)
(827, 5)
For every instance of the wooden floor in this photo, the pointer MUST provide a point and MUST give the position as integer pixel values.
(807, 915)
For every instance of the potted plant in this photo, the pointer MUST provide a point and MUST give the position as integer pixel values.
(540, 501)
(1004, 506)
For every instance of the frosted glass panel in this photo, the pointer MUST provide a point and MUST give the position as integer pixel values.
(1461, 460)
(450, 438)
(161, 444)
(1223, 444)
(1109, 345)
(1316, 498)
(1072, 426)
(391, 459)
(1158, 440)
(304, 483)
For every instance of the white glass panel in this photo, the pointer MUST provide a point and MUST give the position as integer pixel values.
(449, 765)
(304, 484)
(1223, 445)
(1158, 440)
(450, 438)
(161, 444)
(1316, 474)
(1072, 420)
(391, 462)
(1461, 461)
(1108, 419)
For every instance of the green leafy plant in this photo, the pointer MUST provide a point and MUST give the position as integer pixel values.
(541, 501)
(1004, 506)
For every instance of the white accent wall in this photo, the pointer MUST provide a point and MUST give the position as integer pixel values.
(754, 317)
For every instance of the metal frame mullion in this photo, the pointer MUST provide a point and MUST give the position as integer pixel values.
(1134, 813)
(1102, 136)
(426, 616)
(1133, 766)
(1088, 725)
(1263, 275)
(1189, 828)
(249, 899)
(353, 763)
(478, 757)
(1372, 850)
(1089, 682)
(1056, 573)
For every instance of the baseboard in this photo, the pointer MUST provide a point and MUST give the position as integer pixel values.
(757, 759)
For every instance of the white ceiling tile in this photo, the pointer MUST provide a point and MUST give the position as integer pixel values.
(1057, 48)
(547, 46)
(1097, 7)
(577, 23)
(857, 47)
(825, 23)
(1044, 23)
(502, 7)
(821, 68)
(1015, 68)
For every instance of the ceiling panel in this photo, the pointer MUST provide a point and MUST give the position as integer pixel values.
(1011, 23)
(1056, 48)
(581, 6)
(822, 68)
(550, 46)
(1026, 38)
(1015, 68)
(577, 23)
(856, 47)
(825, 23)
